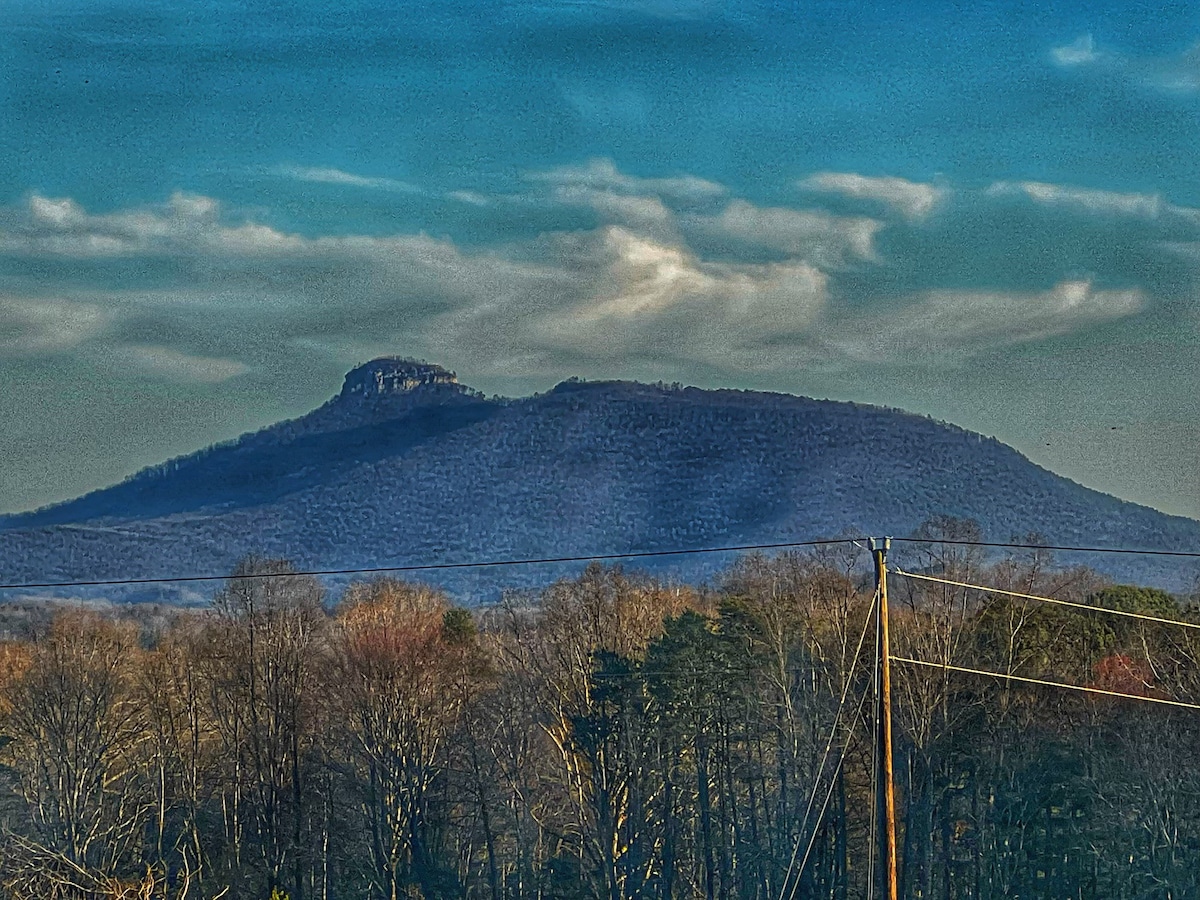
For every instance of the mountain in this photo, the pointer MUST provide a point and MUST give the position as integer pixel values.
(408, 466)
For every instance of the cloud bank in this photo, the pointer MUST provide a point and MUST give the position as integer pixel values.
(672, 271)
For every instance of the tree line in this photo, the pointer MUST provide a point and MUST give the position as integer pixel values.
(609, 736)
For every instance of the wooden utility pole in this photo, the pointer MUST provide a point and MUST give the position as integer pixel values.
(887, 801)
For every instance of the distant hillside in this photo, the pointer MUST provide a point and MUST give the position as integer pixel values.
(406, 465)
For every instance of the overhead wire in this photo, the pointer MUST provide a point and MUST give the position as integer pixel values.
(1043, 682)
(825, 756)
(1012, 545)
(429, 567)
(1054, 600)
(828, 796)
(594, 557)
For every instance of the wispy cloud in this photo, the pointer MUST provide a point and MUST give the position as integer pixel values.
(1177, 73)
(674, 268)
(473, 198)
(1080, 52)
(603, 175)
(664, 9)
(1085, 199)
(651, 278)
(911, 199)
(640, 211)
(30, 326)
(960, 322)
(1099, 202)
(672, 209)
(813, 235)
(634, 300)
(325, 175)
(186, 224)
(179, 366)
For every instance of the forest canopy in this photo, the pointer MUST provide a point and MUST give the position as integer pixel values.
(610, 735)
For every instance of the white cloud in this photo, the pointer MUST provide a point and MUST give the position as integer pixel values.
(650, 300)
(641, 212)
(179, 366)
(36, 325)
(813, 235)
(651, 277)
(619, 296)
(1086, 199)
(1079, 52)
(911, 199)
(731, 286)
(958, 322)
(603, 175)
(252, 238)
(187, 224)
(322, 175)
(62, 213)
(1100, 202)
(472, 198)
(644, 206)
(193, 207)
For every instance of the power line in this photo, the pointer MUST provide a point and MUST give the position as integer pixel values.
(597, 557)
(828, 796)
(1084, 606)
(427, 567)
(1135, 551)
(824, 759)
(1043, 682)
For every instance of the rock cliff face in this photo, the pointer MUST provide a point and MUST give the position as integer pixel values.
(393, 375)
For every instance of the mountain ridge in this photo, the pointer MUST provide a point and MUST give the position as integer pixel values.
(407, 466)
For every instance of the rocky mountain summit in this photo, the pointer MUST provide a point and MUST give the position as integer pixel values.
(408, 466)
(394, 375)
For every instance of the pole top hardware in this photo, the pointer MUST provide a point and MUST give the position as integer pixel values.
(884, 544)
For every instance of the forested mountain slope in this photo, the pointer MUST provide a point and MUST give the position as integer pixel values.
(406, 465)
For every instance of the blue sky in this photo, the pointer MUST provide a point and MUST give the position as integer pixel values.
(991, 214)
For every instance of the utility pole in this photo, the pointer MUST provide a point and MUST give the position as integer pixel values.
(887, 799)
